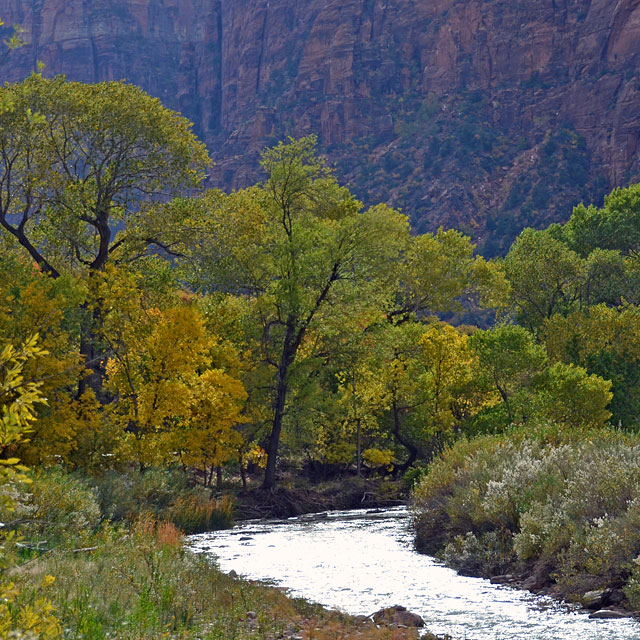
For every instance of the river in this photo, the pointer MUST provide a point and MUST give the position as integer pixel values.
(359, 561)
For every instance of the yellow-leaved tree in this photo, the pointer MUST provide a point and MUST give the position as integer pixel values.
(32, 302)
(175, 399)
(19, 398)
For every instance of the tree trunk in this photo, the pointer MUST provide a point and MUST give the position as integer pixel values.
(288, 354)
(243, 476)
(218, 477)
(91, 350)
(359, 449)
(408, 445)
(94, 358)
(276, 430)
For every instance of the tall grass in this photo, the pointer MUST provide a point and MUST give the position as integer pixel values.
(141, 584)
(196, 513)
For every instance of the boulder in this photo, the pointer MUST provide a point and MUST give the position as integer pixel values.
(608, 614)
(398, 615)
(594, 599)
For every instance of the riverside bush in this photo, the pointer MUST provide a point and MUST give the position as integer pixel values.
(571, 499)
(58, 506)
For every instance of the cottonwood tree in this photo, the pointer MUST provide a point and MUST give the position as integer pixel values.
(81, 168)
(301, 248)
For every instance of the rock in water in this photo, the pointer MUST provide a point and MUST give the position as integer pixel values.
(608, 614)
(593, 599)
(398, 615)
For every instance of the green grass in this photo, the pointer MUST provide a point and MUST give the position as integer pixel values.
(140, 583)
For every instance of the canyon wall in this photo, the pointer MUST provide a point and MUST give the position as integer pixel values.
(486, 115)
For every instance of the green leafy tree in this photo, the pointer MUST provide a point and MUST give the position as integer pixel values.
(508, 361)
(82, 168)
(545, 275)
(606, 342)
(301, 248)
(439, 272)
(615, 226)
(567, 395)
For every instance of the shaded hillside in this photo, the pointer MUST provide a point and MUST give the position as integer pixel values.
(487, 115)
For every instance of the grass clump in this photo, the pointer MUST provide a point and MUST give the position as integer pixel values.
(196, 512)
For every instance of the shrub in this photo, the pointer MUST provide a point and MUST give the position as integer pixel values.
(59, 506)
(564, 497)
(123, 496)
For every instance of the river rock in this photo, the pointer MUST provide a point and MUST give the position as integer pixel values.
(608, 614)
(233, 574)
(398, 615)
(594, 599)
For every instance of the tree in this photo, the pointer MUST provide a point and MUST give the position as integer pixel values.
(421, 375)
(568, 395)
(81, 170)
(606, 342)
(18, 400)
(31, 302)
(508, 360)
(615, 226)
(299, 247)
(546, 277)
(438, 272)
(167, 372)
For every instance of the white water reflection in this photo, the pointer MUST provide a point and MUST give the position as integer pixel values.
(360, 562)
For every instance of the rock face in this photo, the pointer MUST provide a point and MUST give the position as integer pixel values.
(487, 115)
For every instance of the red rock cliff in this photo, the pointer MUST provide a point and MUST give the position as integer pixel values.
(484, 114)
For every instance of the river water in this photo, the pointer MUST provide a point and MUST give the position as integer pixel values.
(358, 562)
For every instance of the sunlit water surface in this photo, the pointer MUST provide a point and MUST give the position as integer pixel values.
(360, 562)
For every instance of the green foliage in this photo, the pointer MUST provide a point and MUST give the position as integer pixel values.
(95, 156)
(605, 342)
(508, 361)
(614, 226)
(545, 276)
(58, 507)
